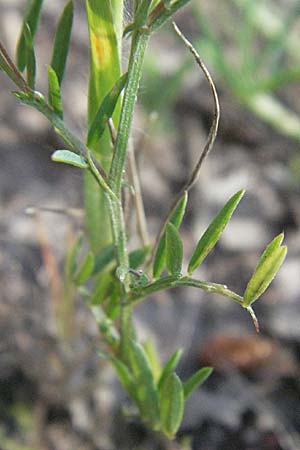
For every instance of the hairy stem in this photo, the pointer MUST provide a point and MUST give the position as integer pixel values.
(173, 281)
(139, 43)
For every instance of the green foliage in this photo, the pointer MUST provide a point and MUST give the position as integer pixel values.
(213, 232)
(266, 269)
(62, 42)
(174, 250)
(99, 264)
(31, 19)
(170, 367)
(196, 380)
(30, 56)
(67, 157)
(263, 56)
(54, 94)
(105, 112)
(175, 219)
(172, 404)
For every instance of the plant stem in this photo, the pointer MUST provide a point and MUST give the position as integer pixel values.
(175, 281)
(193, 177)
(138, 198)
(37, 101)
(139, 43)
(119, 238)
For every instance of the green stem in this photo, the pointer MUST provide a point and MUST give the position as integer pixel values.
(139, 43)
(120, 241)
(173, 281)
(37, 101)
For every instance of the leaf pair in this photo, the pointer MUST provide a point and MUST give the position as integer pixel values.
(159, 399)
(265, 271)
(169, 250)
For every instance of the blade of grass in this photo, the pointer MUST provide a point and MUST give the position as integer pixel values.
(62, 41)
(104, 72)
(31, 17)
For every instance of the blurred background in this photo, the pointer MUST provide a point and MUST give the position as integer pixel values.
(54, 391)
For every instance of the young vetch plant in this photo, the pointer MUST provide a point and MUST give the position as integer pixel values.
(115, 279)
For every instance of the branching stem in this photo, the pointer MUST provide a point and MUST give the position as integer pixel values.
(175, 281)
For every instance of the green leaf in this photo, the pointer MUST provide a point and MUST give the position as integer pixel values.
(174, 250)
(105, 112)
(176, 219)
(123, 372)
(107, 256)
(163, 14)
(31, 17)
(276, 243)
(85, 270)
(140, 17)
(72, 256)
(54, 95)
(196, 380)
(105, 70)
(178, 214)
(62, 41)
(213, 232)
(171, 405)
(266, 270)
(113, 306)
(68, 157)
(103, 287)
(170, 367)
(153, 358)
(146, 391)
(30, 56)
(138, 256)
(104, 257)
(160, 257)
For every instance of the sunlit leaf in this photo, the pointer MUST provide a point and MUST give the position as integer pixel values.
(264, 274)
(68, 157)
(54, 95)
(105, 70)
(274, 244)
